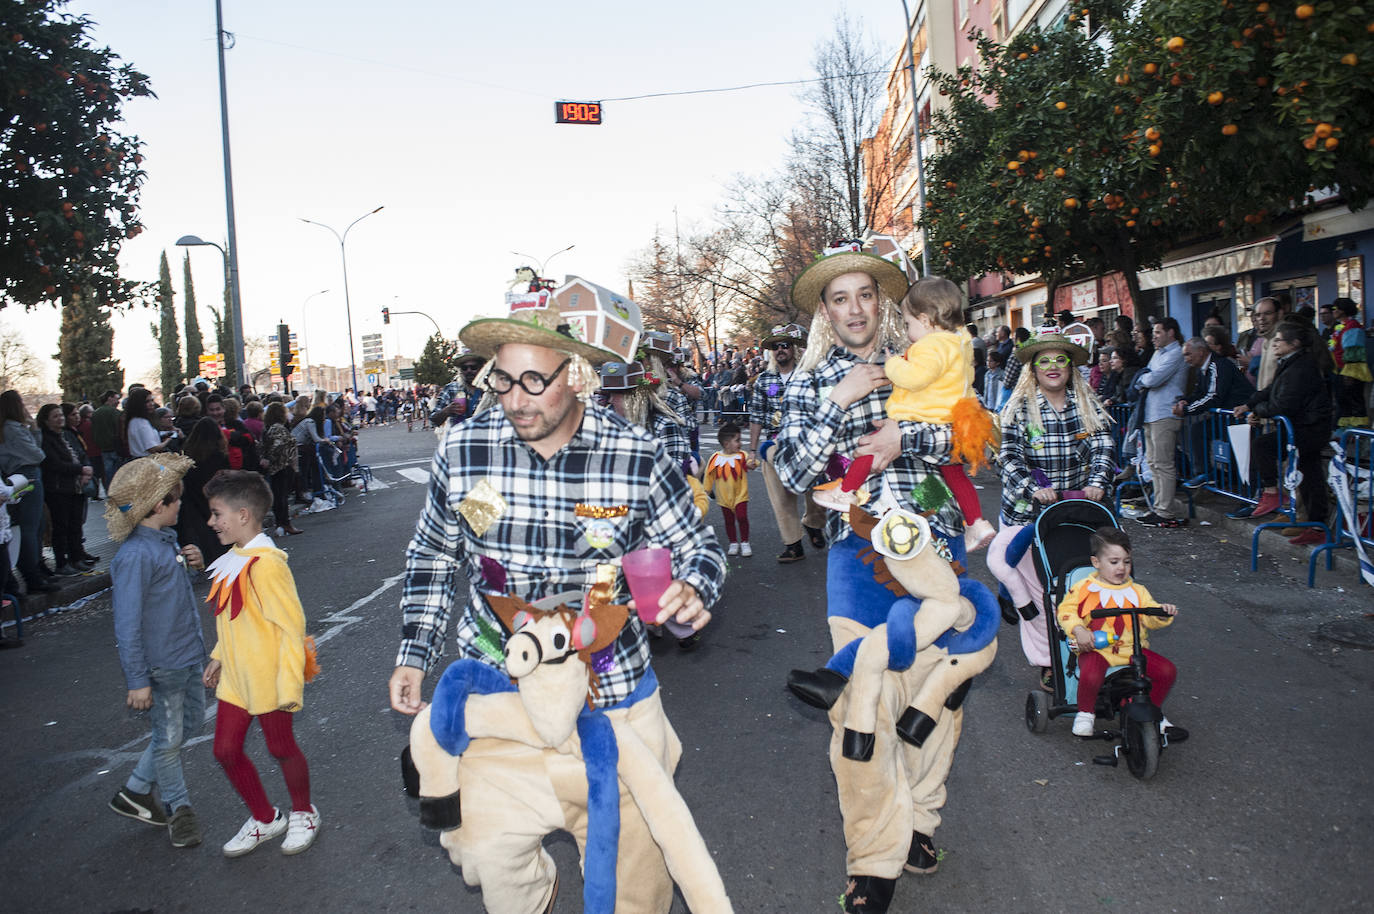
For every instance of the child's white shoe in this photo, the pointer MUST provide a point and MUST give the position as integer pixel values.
(733, 550)
(1084, 723)
(978, 535)
(745, 549)
(304, 827)
(254, 833)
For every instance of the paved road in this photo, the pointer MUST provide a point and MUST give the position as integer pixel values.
(1267, 808)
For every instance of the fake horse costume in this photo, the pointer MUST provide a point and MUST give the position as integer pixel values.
(909, 635)
(553, 657)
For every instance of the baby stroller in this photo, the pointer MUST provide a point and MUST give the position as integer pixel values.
(337, 467)
(1062, 559)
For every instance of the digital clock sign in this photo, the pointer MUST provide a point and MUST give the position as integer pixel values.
(577, 112)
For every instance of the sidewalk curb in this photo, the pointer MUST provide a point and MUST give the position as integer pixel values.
(81, 586)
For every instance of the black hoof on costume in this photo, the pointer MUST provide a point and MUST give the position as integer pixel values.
(1008, 608)
(1029, 611)
(441, 813)
(856, 746)
(915, 727)
(820, 689)
(956, 698)
(923, 857)
(868, 895)
(410, 776)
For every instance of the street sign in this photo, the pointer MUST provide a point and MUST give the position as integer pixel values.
(372, 379)
(212, 365)
(407, 374)
(577, 112)
(374, 366)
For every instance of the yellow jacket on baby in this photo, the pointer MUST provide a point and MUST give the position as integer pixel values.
(261, 628)
(1094, 593)
(727, 478)
(935, 373)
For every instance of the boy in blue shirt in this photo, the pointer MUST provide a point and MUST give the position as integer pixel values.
(157, 629)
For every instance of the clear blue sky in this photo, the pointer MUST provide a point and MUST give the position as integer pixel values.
(443, 112)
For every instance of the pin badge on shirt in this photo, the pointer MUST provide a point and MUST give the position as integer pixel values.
(600, 534)
(482, 506)
(774, 390)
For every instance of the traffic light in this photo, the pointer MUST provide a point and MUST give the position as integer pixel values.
(386, 315)
(284, 350)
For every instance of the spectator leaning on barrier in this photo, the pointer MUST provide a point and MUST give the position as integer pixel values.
(1299, 394)
(1219, 384)
(1162, 384)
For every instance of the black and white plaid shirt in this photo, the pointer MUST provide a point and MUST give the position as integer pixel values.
(685, 409)
(1044, 439)
(542, 540)
(765, 406)
(673, 437)
(814, 427)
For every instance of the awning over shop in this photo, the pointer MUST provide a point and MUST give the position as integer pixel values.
(1242, 258)
(1339, 221)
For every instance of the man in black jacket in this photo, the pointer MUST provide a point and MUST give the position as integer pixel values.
(1217, 384)
(1299, 394)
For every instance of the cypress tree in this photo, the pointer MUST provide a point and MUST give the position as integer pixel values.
(86, 366)
(195, 344)
(169, 342)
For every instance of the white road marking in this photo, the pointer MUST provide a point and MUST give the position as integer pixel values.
(377, 484)
(401, 463)
(414, 474)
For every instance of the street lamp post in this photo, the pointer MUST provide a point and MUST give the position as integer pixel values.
(348, 307)
(305, 336)
(916, 143)
(422, 314)
(235, 319)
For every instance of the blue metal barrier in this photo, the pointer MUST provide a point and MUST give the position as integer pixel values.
(1358, 447)
(1121, 416)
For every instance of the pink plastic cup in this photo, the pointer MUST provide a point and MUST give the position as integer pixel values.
(649, 571)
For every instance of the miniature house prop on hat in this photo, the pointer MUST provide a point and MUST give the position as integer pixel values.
(596, 315)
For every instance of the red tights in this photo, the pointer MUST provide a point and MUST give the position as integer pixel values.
(231, 729)
(961, 487)
(739, 514)
(1092, 669)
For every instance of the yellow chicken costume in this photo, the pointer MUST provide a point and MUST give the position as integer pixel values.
(727, 478)
(1094, 593)
(261, 629)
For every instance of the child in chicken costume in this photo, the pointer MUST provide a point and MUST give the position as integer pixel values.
(552, 656)
(910, 634)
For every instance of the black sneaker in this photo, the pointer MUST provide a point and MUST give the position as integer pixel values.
(923, 857)
(1241, 513)
(184, 828)
(867, 895)
(793, 553)
(1154, 520)
(141, 807)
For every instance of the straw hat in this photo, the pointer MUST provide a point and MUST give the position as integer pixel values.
(785, 333)
(534, 322)
(138, 487)
(1049, 337)
(806, 291)
(621, 377)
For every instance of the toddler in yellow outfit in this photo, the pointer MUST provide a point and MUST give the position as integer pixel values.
(933, 382)
(258, 665)
(727, 480)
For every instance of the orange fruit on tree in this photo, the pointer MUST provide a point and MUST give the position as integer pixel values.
(1151, 68)
(1262, 8)
(1013, 165)
(1305, 11)
(1071, 202)
(1130, 223)
(1332, 142)
(1059, 172)
(1310, 143)
(1175, 44)
(1215, 98)
(1154, 150)
(1152, 133)
(1322, 130)
(1062, 105)
(1024, 155)
(1022, 56)
(1230, 130)
(1349, 60)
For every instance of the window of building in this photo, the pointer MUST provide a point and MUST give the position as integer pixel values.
(1302, 290)
(1350, 279)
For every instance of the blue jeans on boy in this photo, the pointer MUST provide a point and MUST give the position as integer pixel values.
(177, 714)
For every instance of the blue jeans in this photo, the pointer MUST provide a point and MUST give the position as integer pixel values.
(109, 463)
(177, 714)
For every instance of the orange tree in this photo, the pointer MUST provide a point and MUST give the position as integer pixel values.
(68, 178)
(1043, 164)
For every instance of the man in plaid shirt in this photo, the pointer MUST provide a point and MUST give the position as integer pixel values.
(527, 499)
(458, 400)
(784, 345)
(890, 791)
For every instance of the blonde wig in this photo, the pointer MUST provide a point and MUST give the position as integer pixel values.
(641, 403)
(821, 337)
(1094, 415)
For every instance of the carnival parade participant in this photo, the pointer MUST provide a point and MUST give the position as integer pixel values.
(527, 498)
(727, 479)
(1056, 439)
(459, 398)
(784, 347)
(660, 360)
(834, 404)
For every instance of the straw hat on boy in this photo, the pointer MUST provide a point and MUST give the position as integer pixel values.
(138, 488)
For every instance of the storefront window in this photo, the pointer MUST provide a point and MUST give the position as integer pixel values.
(1350, 279)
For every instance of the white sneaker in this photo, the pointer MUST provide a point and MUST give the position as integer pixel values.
(254, 833)
(733, 550)
(978, 535)
(745, 549)
(302, 831)
(1084, 723)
